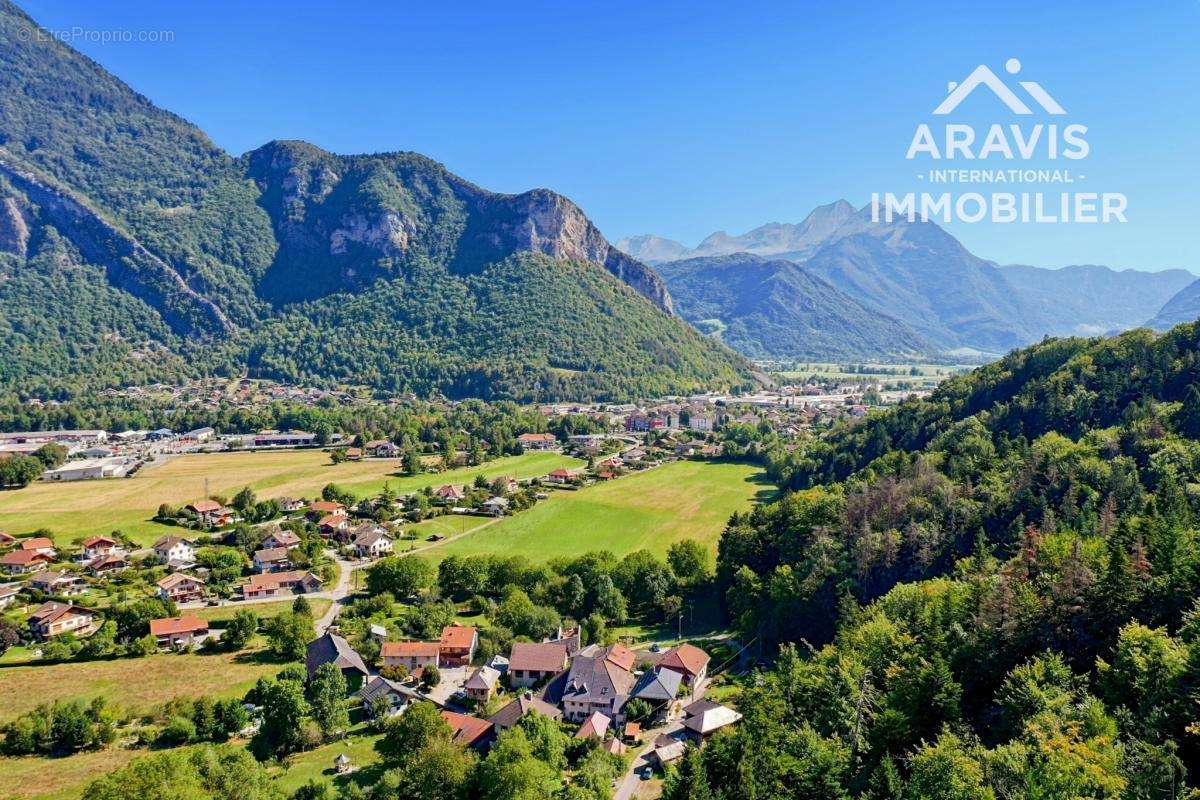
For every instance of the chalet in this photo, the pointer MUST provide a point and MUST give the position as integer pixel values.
(7, 540)
(178, 633)
(594, 727)
(175, 551)
(482, 684)
(19, 562)
(273, 559)
(97, 546)
(320, 508)
(704, 718)
(410, 655)
(560, 476)
(281, 538)
(108, 565)
(59, 582)
(399, 697)
(331, 525)
(689, 661)
(533, 662)
(8, 594)
(354, 453)
(526, 704)
(333, 649)
(52, 619)
(373, 543)
(210, 512)
(457, 645)
(180, 588)
(537, 441)
(382, 448)
(599, 680)
(39, 544)
(450, 493)
(667, 750)
(478, 734)
(274, 584)
(290, 504)
(658, 688)
(496, 506)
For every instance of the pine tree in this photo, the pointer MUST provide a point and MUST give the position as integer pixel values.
(1188, 420)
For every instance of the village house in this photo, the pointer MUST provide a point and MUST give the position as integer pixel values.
(320, 508)
(52, 619)
(690, 662)
(175, 551)
(532, 662)
(659, 688)
(398, 696)
(594, 727)
(373, 543)
(331, 525)
(274, 584)
(599, 680)
(450, 493)
(560, 476)
(39, 544)
(8, 594)
(333, 649)
(280, 538)
(525, 704)
(496, 506)
(482, 683)
(179, 587)
(7, 540)
(210, 513)
(290, 504)
(96, 546)
(410, 655)
(537, 441)
(274, 559)
(58, 582)
(19, 562)
(178, 633)
(704, 718)
(478, 734)
(108, 565)
(458, 645)
(382, 448)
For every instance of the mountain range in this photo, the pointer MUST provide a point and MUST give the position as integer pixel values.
(133, 248)
(945, 300)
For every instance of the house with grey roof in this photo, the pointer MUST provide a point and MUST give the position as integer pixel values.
(333, 649)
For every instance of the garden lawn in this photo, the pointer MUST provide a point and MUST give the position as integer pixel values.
(39, 778)
(85, 508)
(650, 509)
(223, 613)
(317, 764)
(135, 684)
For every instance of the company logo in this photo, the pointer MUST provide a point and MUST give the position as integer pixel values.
(982, 76)
(1047, 152)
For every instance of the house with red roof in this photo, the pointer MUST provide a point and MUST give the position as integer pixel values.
(52, 619)
(19, 562)
(180, 587)
(532, 662)
(410, 655)
(457, 645)
(39, 544)
(178, 633)
(96, 546)
(537, 441)
(472, 732)
(689, 661)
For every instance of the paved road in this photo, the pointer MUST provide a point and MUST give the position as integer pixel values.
(630, 782)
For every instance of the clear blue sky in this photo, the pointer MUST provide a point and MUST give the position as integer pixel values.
(681, 118)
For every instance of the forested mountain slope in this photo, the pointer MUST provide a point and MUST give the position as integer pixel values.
(294, 263)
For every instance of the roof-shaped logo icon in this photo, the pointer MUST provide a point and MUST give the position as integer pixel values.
(983, 76)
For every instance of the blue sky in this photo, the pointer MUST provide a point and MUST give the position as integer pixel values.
(681, 118)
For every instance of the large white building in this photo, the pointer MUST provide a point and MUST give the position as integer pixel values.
(90, 469)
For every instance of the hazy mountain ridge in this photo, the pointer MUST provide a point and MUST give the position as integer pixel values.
(1182, 307)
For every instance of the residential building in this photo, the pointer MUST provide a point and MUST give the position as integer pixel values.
(514, 712)
(8, 594)
(481, 684)
(472, 732)
(331, 525)
(399, 696)
(594, 727)
(689, 661)
(280, 538)
(410, 655)
(560, 476)
(537, 441)
(450, 493)
(19, 562)
(39, 544)
(275, 559)
(458, 645)
(58, 582)
(175, 550)
(274, 584)
(52, 619)
(333, 649)
(599, 680)
(530, 663)
(382, 448)
(109, 564)
(179, 587)
(178, 633)
(96, 546)
(373, 543)
(320, 508)
(704, 718)
(496, 506)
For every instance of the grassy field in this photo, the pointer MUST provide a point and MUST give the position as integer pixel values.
(86, 508)
(36, 778)
(135, 684)
(651, 510)
(319, 606)
(317, 764)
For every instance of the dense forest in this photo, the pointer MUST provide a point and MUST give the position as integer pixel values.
(991, 592)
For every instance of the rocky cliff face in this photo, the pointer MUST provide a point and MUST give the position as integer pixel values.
(14, 231)
(344, 221)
